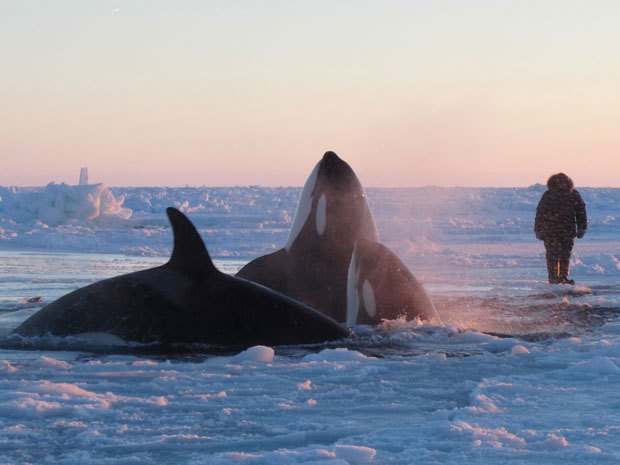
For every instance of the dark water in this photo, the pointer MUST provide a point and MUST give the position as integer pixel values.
(524, 311)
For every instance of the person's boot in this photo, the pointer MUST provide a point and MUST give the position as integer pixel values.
(552, 272)
(563, 268)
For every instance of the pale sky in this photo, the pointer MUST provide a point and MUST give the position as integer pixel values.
(410, 93)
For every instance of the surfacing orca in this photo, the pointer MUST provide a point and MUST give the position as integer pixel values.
(187, 300)
(333, 260)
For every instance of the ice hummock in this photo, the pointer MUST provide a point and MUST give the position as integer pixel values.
(60, 204)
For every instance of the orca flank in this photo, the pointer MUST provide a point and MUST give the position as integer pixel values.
(187, 300)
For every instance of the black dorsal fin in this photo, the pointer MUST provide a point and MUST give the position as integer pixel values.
(189, 253)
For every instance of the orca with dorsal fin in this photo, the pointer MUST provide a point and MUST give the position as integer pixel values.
(333, 260)
(186, 300)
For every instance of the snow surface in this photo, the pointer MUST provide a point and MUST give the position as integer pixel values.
(520, 371)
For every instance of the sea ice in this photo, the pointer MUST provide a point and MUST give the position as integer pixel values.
(518, 373)
(59, 204)
(256, 354)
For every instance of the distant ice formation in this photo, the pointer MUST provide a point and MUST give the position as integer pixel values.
(83, 176)
(61, 203)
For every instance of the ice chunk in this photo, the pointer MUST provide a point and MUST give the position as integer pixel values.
(519, 349)
(83, 176)
(6, 367)
(49, 362)
(355, 454)
(61, 203)
(336, 355)
(256, 354)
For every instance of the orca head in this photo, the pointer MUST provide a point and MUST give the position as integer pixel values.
(333, 205)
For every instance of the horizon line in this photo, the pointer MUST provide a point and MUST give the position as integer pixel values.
(281, 186)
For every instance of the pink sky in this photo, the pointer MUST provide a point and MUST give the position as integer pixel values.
(410, 93)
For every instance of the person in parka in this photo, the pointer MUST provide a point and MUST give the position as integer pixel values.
(560, 217)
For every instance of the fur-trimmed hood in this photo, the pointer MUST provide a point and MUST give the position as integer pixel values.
(560, 182)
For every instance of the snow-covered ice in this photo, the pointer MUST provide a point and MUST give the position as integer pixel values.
(62, 204)
(519, 371)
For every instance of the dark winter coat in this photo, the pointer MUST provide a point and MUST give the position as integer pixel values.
(561, 212)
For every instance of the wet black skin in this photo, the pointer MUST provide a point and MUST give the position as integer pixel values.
(187, 300)
(315, 268)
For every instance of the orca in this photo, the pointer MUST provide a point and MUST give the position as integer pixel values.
(333, 260)
(186, 300)
(381, 287)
